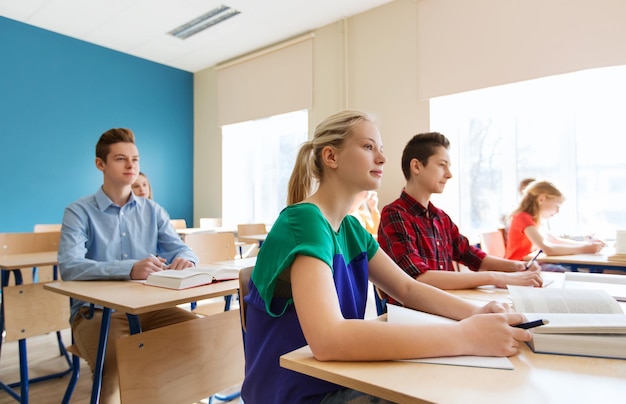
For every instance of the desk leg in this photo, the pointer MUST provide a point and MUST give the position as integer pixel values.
(102, 348)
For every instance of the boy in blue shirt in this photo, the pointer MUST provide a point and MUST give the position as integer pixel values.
(114, 235)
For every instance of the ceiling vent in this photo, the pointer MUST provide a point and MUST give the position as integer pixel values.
(215, 16)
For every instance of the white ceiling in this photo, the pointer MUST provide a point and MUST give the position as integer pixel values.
(139, 27)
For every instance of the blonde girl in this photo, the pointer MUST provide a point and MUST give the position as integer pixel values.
(142, 187)
(541, 200)
(309, 285)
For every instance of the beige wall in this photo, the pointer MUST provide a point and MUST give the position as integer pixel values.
(390, 60)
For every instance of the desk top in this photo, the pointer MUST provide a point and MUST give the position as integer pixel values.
(20, 261)
(540, 378)
(135, 297)
(601, 259)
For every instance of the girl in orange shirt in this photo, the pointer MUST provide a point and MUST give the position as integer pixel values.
(541, 200)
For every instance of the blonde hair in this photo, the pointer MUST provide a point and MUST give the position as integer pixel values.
(529, 203)
(308, 169)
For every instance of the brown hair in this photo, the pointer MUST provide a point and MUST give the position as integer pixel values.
(529, 203)
(308, 169)
(110, 137)
(421, 147)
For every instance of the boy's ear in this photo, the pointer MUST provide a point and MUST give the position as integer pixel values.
(100, 164)
(416, 166)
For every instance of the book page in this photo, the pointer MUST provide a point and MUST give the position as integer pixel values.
(614, 285)
(552, 300)
(402, 315)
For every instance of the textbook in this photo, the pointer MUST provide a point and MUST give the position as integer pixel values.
(614, 284)
(585, 322)
(190, 277)
(403, 315)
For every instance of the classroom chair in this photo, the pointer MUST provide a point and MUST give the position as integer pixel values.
(209, 359)
(492, 243)
(212, 247)
(44, 274)
(244, 280)
(27, 309)
(380, 300)
(248, 229)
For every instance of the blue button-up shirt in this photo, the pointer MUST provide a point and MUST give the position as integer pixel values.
(102, 241)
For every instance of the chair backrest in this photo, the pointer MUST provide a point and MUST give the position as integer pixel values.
(207, 359)
(493, 243)
(23, 243)
(42, 228)
(244, 280)
(212, 247)
(249, 229)
(30, 310)
(179, 223)
(210, 222)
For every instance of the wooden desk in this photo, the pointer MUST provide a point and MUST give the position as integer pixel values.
(539, 378)
(595, 262)
(132, 297)
(239, 263)
(29, 260)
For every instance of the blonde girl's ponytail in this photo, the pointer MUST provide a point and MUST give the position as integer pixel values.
(301, 176)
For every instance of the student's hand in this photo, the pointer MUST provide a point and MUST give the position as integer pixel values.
(493, 334)
(493, 307)
(146, 266)
(526, 278)
(594, 247)
(534, 267)
(181, 263)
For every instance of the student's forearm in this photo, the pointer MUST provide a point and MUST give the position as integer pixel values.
(449, 280)
(433, 300)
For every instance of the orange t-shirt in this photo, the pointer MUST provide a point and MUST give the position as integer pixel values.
(517, 244)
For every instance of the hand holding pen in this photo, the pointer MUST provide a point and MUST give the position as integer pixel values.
(161, 261)
(531, 324)
(532, 260)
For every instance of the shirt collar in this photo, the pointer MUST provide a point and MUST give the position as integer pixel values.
(417, 208)
(104, 201)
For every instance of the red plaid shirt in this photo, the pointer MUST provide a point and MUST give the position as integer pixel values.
(418, 242)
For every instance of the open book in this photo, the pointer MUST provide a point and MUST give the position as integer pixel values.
(402, 315)
(614, 284)
(190, 277)
(587, 322)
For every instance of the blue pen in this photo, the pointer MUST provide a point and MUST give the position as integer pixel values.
(533, 259)
(531, 324)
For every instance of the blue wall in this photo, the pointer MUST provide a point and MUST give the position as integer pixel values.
(57, 96)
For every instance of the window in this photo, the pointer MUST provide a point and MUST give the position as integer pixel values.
(257, 160)
(566, 129)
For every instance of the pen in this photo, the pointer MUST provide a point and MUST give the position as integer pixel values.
(159, 258)
(533, 259)
(532, 324)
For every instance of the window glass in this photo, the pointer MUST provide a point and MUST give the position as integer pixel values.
(257, 159)
(566, 129)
